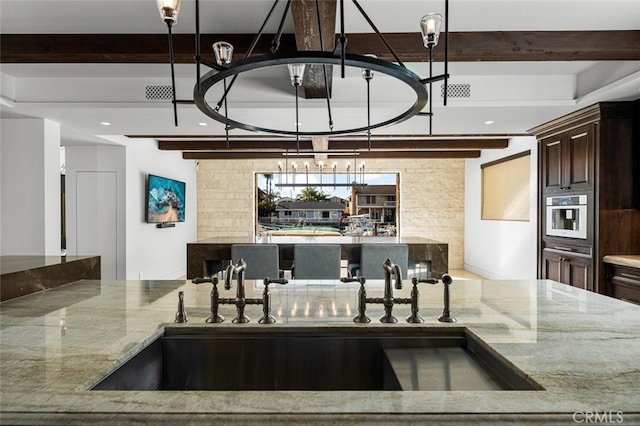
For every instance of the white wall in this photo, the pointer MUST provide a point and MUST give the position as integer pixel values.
(142, 250)
(30, 159)
(500, 249)
(154, 253)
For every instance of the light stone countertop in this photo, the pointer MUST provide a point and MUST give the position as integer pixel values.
(630, 260)
(581, 347)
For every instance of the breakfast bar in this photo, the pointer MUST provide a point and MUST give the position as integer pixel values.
(219, 249)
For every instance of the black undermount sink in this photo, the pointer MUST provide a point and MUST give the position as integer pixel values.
(229, 359)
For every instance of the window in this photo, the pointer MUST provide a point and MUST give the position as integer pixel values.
(343, 201)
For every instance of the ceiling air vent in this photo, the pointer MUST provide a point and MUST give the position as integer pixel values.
(155, 93)
(457, 90)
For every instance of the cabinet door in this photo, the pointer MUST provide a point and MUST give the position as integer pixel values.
(551, 266)
(551, 164)
(567, 269)
(567, 160)
(578, 158)
(576, 272)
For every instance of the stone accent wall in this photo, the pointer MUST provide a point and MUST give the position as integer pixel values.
(431, 203)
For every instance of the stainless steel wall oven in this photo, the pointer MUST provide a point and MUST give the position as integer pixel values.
(566, 216)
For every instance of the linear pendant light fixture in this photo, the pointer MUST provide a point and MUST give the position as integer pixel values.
(225, 67)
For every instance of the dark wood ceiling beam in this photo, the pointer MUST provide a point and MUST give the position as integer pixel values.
(307, 32)
(340, 145)
(416, 144)
(509, 46)
(125, 48)
(240, 155)
(464, 46)
(186, 145)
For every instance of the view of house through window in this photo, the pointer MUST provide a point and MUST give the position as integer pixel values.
(327, 204)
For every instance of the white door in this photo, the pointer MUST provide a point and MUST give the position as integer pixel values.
(96, 219)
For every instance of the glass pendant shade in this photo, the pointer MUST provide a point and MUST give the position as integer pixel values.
(430, 28)
(169, 10)
(367, 74)
(223, 52)
(296, 72)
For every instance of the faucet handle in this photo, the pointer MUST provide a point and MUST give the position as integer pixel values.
(212, 280)
(360, 280)
(268, 281)
(267, 318)
(415, 280)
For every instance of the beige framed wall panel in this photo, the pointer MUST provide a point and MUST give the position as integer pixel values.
(505, 188)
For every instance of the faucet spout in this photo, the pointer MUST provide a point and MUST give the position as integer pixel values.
(240, 268)
(397, 272)
(390, 269)
(228, 276)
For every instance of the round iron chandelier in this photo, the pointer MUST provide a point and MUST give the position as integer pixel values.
(224, 68)
(368, 63)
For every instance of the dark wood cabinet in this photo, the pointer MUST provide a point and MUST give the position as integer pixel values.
(567, 268)
(568, 160)
(594, 152)
(623, 282)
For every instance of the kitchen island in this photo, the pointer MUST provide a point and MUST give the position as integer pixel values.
(22, 275)
(581, 348)
(436, 253)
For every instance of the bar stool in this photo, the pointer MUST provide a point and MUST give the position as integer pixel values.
(263, 260)
(316, 261)
(373, 255)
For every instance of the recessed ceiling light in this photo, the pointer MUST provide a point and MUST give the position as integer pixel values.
(489, 122)
(202, 124)
(105, 123)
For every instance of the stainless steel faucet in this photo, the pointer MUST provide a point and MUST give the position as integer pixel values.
(388, 301)
(240, 301)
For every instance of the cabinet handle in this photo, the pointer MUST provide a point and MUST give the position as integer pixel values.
(564, 248)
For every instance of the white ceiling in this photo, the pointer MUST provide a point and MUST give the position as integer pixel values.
(515, 96)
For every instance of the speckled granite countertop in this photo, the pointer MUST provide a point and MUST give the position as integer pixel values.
(623, 260)
(582, 348)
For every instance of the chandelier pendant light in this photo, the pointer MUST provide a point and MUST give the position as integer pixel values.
(296, 73)
(223, 53)
(367, 74)
(430, 28)
(221, 70)
(169, 11)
